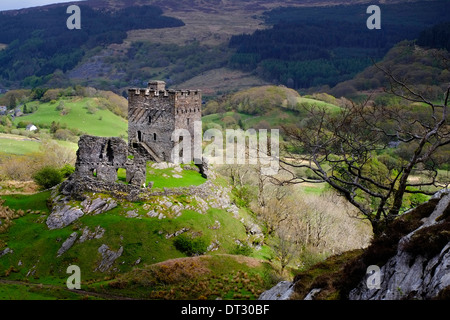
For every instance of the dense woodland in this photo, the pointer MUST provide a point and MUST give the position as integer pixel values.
(309, 47)
(39, 42)
(437, 37)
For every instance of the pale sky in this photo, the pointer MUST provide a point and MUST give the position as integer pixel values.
(19, 4)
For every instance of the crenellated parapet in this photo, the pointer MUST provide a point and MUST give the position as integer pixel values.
(155, 112)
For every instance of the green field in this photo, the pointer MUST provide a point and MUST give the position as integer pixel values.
(100, 122)
(275, 107)
(22, 291)
(164, 178)
(318, 103)
(20, 145)
(15, 146)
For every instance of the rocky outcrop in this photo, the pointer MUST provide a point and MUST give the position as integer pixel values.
(64, 212)
(67, 244)
(85, 236)
(413, 255)
(415, 272)
(108, 258)
(282, 291)
(90, 235)
(63, 215)
(98, 205)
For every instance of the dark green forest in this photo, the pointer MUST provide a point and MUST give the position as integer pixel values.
(39, 42)
(437, 37)
(309, 47)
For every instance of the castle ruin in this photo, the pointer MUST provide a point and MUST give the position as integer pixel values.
(154, 113)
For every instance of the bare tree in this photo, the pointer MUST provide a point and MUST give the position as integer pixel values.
(284, 246)
(342, 149)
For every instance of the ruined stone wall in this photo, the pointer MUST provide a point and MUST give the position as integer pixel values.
(100, 157)
(154, 114)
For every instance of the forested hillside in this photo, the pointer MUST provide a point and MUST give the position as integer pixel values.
(436, 37)
(315, 46)
(427, 69)
(39, 42)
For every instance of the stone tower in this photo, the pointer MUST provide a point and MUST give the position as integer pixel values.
(153, 115)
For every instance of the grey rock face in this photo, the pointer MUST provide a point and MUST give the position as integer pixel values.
(282, 291)
(98, 205)
(422, 280)
(67, 244)
(312, 294)
(407, 276)
(5, 252)
(62, 216)
(108, 258)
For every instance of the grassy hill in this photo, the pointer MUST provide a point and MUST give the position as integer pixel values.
(144, 270)
(20, 145)
(84, 114)
(263, 107)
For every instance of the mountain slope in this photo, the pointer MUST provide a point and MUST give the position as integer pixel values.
(425, 69)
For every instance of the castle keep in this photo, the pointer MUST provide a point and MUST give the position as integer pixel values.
(154, 113)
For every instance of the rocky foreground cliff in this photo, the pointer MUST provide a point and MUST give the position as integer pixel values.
(412, 254)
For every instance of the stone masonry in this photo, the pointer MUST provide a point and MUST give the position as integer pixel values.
(154, 114)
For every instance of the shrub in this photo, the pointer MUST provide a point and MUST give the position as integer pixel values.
(243, 195)
(63, 134)
(242, 249)
(60, 106)
(48, 177)
(22, 124)
(67, 170)
(190, 246)
(428, 242)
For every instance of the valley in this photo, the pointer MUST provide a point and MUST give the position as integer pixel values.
(364, 150)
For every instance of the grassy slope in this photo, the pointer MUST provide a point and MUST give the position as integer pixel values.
(204, 277)
(102, 123)
(17, 145)
(20, 145)
(318, 103)
(142, 238)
